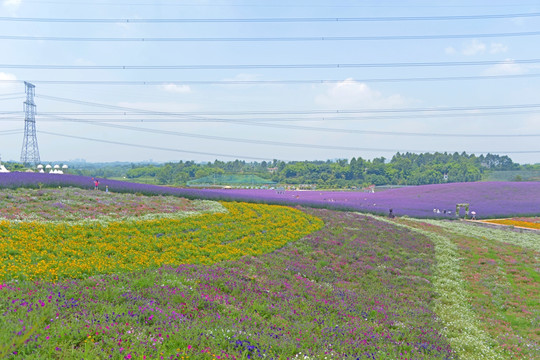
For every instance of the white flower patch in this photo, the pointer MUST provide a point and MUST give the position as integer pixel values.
(528, 240)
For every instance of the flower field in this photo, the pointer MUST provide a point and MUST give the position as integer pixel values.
(70, 204)
(358, 289)
(495, 199)
(531, 223)
(500, 269)
(59, 250)
(487, 199)
(168, 278)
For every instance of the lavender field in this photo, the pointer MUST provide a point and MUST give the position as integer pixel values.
(487, 199)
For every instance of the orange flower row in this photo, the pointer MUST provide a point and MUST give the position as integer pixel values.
(512, 222)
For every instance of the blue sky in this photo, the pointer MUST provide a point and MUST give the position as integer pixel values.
(332, 112)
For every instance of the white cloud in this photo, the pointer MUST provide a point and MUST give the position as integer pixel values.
(8, 77)
(12, 3)
(496, 48)
(508, 67)
(474, 47)
(450, 50)
(179, 89)
(354, 94)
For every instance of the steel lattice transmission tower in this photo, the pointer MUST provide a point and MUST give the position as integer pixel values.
(30, 152)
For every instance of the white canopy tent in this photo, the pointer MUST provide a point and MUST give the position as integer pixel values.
(3, 168)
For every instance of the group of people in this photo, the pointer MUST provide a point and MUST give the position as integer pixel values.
(448, 212)
(445, 212)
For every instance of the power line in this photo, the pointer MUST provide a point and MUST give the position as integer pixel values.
(13, 94)
(152, 147)
(254, 158)
(234, 139)
(267, 39)
(295, 127)
(10, 98)
(297, 112)
(274, 19)
(53, 117)
(267, 82)
(11, 132)
(267, 66)
(390, 133)
(274, 4)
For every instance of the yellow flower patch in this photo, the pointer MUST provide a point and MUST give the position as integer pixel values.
(52, 251)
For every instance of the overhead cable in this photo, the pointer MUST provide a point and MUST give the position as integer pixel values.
(261, 158)
(273, 19)
(375, 132)
(233, 139)
(11, 132)
(259, 121)
(13, 94)
(268, 66)
(298, 112)
(267, 82)
(296, 127)
(151, 147)
(11, 98)
(266, 39)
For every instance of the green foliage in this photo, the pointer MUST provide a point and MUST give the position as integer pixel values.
(13, 166)
(401, 169)
(220, 179)
(513, 175)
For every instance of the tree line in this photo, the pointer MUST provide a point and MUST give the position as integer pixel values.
(401, 169)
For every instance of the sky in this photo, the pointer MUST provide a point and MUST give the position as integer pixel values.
(141, 80)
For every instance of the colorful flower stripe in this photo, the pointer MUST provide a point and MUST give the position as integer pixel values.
(75, 204)
(520, 223)
(461, 325)
(503, 283)
(52, 251)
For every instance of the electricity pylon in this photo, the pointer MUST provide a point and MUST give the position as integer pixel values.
(30, 151)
